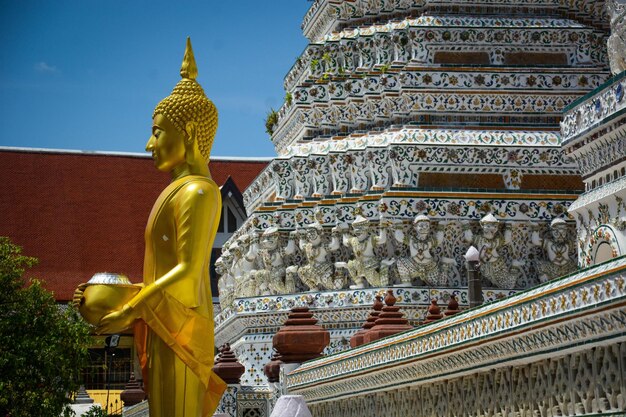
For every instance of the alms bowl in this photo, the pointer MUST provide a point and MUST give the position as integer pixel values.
(104, 294)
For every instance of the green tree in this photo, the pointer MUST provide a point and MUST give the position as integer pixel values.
(42, 345)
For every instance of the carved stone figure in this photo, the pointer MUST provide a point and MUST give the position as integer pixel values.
(289, 285)
(616, 44)
(556, 249)
(271, 254)
(243, 268)
(366, 267)
(421, 262)
(226, 283)
(492, 266)
(317, 273)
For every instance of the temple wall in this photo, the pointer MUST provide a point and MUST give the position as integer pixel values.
(556, 348)
(588, 382)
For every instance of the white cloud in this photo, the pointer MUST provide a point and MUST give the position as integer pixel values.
(44, 67)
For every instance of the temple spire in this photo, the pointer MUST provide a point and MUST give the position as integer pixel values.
(189, 69)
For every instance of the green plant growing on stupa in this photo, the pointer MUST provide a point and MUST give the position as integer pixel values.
(271, 121)
(43, 347)
(314, 64)
(288, 98)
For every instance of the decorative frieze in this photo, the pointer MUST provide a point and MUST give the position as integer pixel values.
(607, 152)
(417, 40)
(389, 108)
(350, 166)
(250, 325)
(379, 242)
(522, 327)
(589, 382)
(451, 79)
(601, 226)
(326, 16)
(592, 111)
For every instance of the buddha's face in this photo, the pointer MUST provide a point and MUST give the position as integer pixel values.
(166, 144)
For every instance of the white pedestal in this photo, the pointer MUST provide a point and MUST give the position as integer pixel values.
(291, 406)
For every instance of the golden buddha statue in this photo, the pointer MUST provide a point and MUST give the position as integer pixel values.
(172, 314)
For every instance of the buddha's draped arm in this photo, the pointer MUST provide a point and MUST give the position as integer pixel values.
(195, 209)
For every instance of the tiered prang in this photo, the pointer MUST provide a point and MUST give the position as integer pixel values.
(412, 130)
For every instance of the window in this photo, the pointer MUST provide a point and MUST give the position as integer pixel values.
(232, 221)
(95, 374)
(229, 220)
(220, 227)
(215, 253)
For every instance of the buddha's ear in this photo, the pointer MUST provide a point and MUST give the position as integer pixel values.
(190, 129)
(190, 139)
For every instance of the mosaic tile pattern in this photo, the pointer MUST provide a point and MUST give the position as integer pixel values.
(591, 111)
(253, 402)
(228, 403)
(325, 16)
(553, 316)
(393, 109)
(594, 133)
(379, 168)
(251, 325)
(416, 39)
(457, 80)
(588, 382)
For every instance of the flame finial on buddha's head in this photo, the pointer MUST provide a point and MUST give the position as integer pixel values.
(188, 104)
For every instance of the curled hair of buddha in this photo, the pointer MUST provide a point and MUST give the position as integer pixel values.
(188, 103)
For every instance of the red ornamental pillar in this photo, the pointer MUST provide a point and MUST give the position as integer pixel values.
(453, 307)
(272, 368)
(390, 321)
(227, 367)
(357, 338)
(434, 312)
(132, 394)
(300, 339)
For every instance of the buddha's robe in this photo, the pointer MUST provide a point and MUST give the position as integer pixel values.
(174, 337)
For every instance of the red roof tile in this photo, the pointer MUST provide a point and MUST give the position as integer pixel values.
(243, 172)
(86, 213)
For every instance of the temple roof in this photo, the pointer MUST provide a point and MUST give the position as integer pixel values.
(80, 213)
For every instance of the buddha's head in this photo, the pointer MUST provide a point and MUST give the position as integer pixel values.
(184, 123)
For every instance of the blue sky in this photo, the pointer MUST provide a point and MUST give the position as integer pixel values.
(86, 74)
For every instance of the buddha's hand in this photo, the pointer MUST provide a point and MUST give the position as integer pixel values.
(117, 321)
(79, 298)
